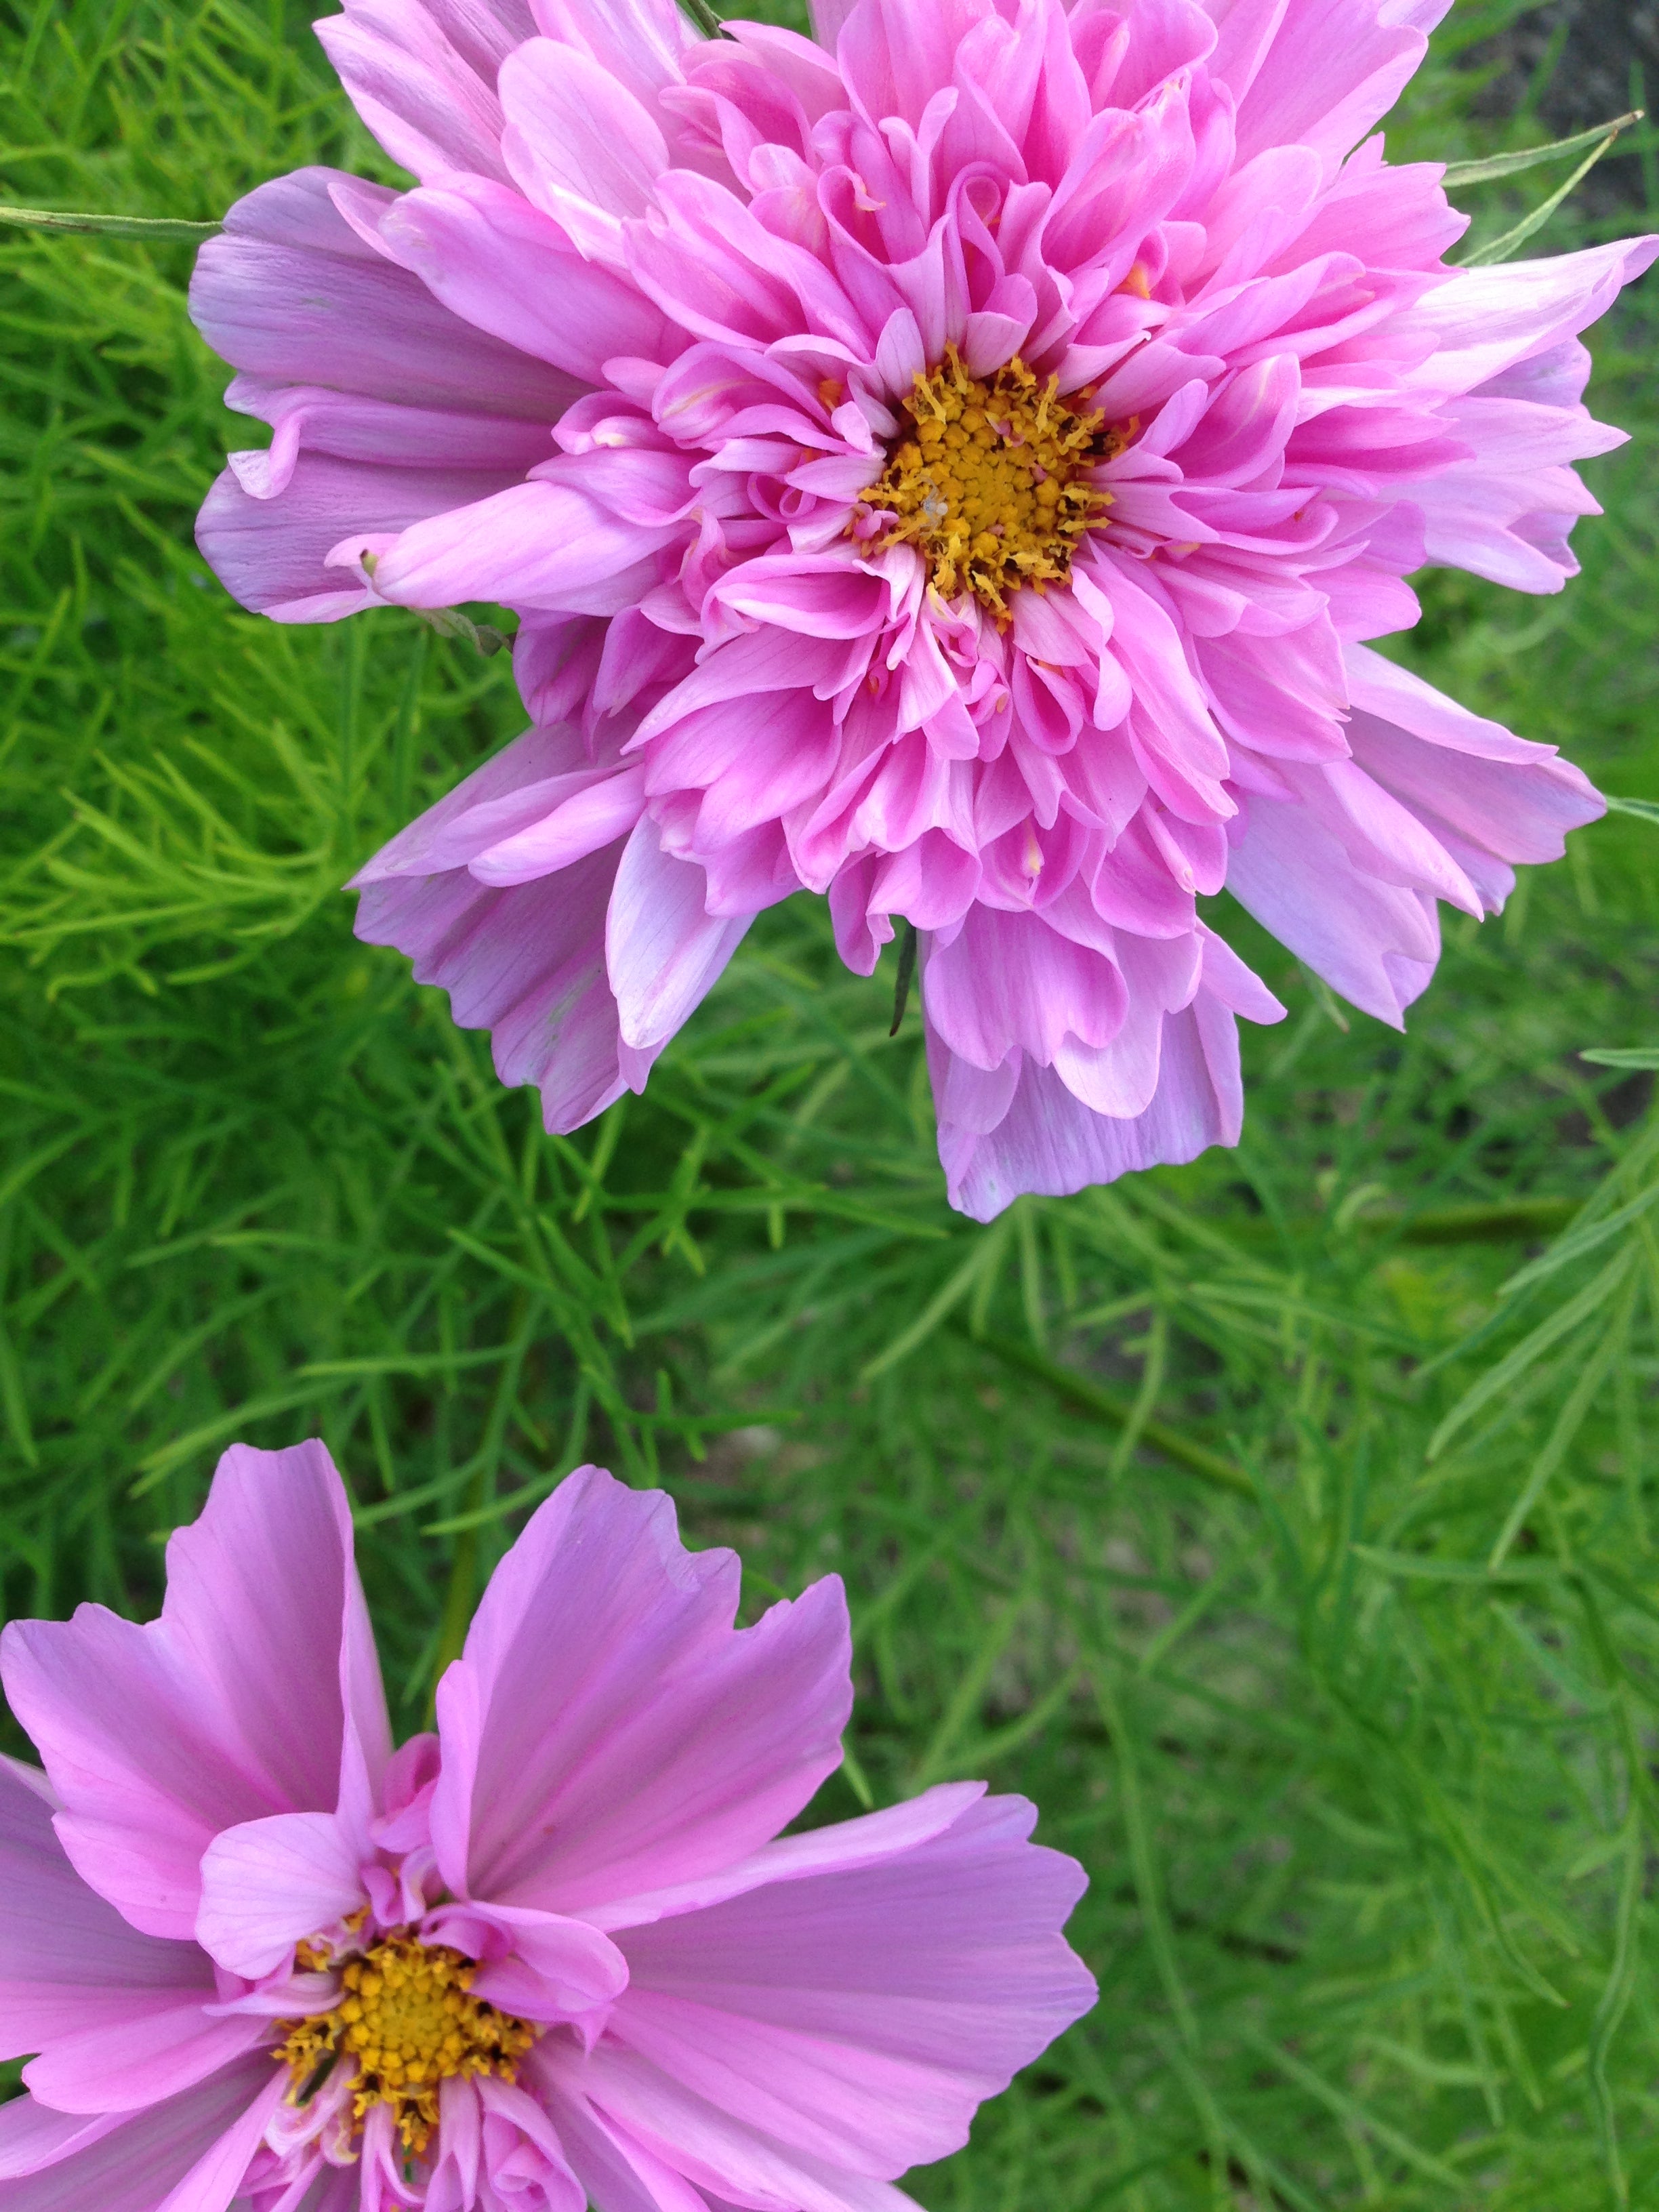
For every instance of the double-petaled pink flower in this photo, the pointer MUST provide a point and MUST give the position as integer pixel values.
(957, 467)
(555, 1954)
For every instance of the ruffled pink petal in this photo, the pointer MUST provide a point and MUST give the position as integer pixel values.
(423, 77)
(312, 419)
(1008, 980)
(1482, 514)
(1031, 1133)
(515, 788)
(526, 963)
(508, 269)
(730, 2160)
(1485, 321)
(272, 553)
(1327, 71)
(1490, 800)
(69, 1962)
(607, 1731)
(268, 1883)
(748, 248)
(664, 951)
(1376, 943)
(292, 293)
(541, 1966)
(644, 43)
(862, 2014)
(580, 146)
(186, 2154)
(228, 1708)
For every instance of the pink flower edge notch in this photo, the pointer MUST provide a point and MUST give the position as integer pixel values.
(555, 1954)
(957, 466)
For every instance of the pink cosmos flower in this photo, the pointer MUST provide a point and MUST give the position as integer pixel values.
(555, 1954)
(958, 467)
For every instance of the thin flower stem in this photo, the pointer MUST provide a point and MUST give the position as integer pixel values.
(155, 229)
(1501, 249)
(461, 1597)
(1459, 174)
(907, 969)
(705, 19)
(1087, 1397)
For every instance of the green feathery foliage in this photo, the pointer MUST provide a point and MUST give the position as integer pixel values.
(1283, 1524)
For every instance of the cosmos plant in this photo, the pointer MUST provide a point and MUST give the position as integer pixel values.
(554, 1955)
(958, 466)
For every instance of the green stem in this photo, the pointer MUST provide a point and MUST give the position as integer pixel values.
(705, 19)
(1088, 1397)
(1517, 1220)
(156, 229)
(461, 1597)
(907, 969)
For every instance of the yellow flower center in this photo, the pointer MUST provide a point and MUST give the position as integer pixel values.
(985, 480)
(406, 2016)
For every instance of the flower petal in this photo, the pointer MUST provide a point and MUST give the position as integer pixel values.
(607, 1731)
(526, 963)
(664, 952)
(267, 1884)
(862, 2014)
(228, 1708)
(69, 1962)
(177, 2156)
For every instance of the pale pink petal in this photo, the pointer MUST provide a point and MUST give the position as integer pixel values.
(607, 1732)
(542, 544)
(69, 1962)
(228, 1708)
(216, 2176)
(597, 815)
(664, 952)
(514, 788)
(167, 2159)
(272, 554)
(507, 269)
(1331, 70)
(580, 145)
(32, 2135)
(862, 2014)
(140, 2061)
(731, 2159)
(846, 1847)
(644, 43)
(1486, 320)
(618, 2173)
(268, 1883)
(1375, 943)
(292, 294)
(430, 102)
(526, 963)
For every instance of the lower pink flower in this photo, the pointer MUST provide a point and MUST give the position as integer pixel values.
(555, 1954)
(959, 466)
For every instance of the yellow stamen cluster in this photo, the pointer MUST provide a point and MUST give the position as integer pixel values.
(407, 2017)
(986, 480)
